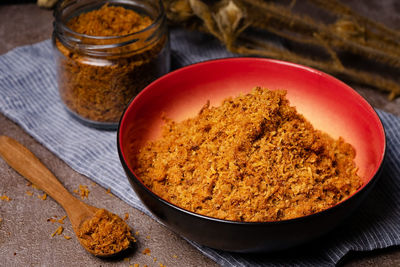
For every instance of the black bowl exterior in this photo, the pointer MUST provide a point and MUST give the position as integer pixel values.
(230, 235)
(247, 237)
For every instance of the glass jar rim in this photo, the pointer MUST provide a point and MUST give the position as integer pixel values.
(65, 28)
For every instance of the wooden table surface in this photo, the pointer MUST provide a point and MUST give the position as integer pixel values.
(25, 232)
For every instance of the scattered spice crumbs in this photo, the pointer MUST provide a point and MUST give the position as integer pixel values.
(83, 191)
(126, 259)
(54, 220)
(147, 237)
(58, 231)
(175, 256)
(109, 192)
(51, 220)
(62, 219)
(136, 265)
(126, 216)
(43, 197)
(137, 233)
(5, 198)
(35, 186)
(1, 220)
(30, 193)
(146, 251)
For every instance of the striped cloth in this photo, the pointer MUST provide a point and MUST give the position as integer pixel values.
(29, 96)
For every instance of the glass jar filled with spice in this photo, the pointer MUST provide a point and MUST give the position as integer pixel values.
(106, 53)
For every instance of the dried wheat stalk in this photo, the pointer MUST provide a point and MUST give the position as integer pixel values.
(231, 21)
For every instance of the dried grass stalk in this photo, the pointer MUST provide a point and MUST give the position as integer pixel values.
(234, 21)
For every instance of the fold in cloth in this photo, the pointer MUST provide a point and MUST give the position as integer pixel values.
(29, 97)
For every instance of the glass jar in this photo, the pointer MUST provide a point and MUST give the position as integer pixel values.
(98, 75)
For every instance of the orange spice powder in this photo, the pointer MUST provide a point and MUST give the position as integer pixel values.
(109, 21)
(254, 158)
(105, 233)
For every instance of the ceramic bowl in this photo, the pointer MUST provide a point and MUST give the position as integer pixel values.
(329, 104)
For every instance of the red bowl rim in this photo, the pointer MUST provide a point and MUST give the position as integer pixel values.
(364, 187)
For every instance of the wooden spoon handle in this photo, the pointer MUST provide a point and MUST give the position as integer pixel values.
(28, 165)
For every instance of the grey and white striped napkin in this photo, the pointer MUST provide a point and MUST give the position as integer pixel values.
(29, 96)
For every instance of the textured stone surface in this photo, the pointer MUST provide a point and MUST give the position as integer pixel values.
(25, 233)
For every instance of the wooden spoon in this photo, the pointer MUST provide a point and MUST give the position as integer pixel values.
(28, 165)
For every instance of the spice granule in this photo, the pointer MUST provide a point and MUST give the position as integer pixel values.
(5, 198)
(254, 158)
(146, 251)
(58, 231)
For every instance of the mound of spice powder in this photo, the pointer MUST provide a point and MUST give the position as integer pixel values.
(98, 88)
(109, 21)
(253, 159)
(105, 233)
